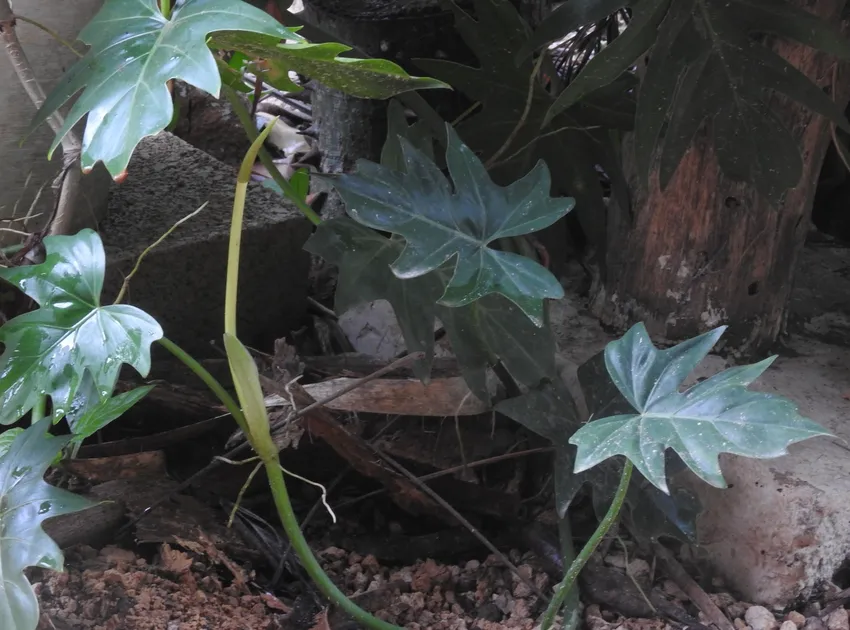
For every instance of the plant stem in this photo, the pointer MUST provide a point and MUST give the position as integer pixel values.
(38, 409)
(305, 554)
(165, 7)
(568, 553)
(209, 380)
(50, 32)
(563, 589)
(251, 131)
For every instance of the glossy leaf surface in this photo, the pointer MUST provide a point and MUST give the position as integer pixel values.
(365, 78)
(717, 415)
(440, 222)
(7, 437)
(105, 411)
(134, 51)
(49, 351)
(26, 501)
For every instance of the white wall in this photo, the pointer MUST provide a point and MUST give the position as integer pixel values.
(49, 60)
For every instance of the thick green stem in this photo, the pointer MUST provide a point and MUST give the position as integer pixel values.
(165, 7)
(568, 553)
(305, 554)
(563, 589)
(252, 133)
(209, 380)
(38, 409)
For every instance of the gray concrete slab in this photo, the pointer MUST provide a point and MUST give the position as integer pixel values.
(182, 281)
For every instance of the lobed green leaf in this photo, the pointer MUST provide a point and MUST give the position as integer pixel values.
(50, 351)
(439, 223)
(717, 415)
(134, 51)
(26, 501)
(365, 78)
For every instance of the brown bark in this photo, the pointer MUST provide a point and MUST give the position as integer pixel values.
(709, 251)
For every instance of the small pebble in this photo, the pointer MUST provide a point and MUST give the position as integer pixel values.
(798, 618)
(737, 609)
(838, 620)
(788, 625)
(814, 623)
(740, 624)
(760, 618)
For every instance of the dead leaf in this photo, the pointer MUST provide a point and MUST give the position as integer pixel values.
(204, 546)
(173, 560)
(274, 603)
(442, 397)
(320, 621)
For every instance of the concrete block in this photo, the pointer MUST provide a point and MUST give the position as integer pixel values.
(182, 281)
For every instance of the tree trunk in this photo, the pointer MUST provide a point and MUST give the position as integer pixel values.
(352, 128)
(709, 251)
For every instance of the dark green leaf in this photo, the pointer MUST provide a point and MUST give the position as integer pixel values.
(104, 412)
(300, 182)
(50, 350)
(569, 17)
(617, 57)
(550, 412)
(574, 142)
(364, 257)
(26, 501)
(706, 65)
(439, 223)
(493, 329)
(134, 50)
(231, 74)
(489, 330)
(795, 23)
(417, 134)
(366, 78)
(718, 415)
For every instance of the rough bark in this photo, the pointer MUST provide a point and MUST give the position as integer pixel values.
(351, 128)
(709, 251)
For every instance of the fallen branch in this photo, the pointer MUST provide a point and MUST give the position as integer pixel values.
(693, 590)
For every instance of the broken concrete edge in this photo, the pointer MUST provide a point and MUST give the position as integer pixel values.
(182, 281)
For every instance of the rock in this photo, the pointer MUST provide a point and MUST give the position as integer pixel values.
(798, 619)
(838, 620)
(740, 624)
(737, 609)
(669, 587)
(210, 124)
(489, 612)
(182, 281)
(760, 618)
(788, 625)
(814, 623)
